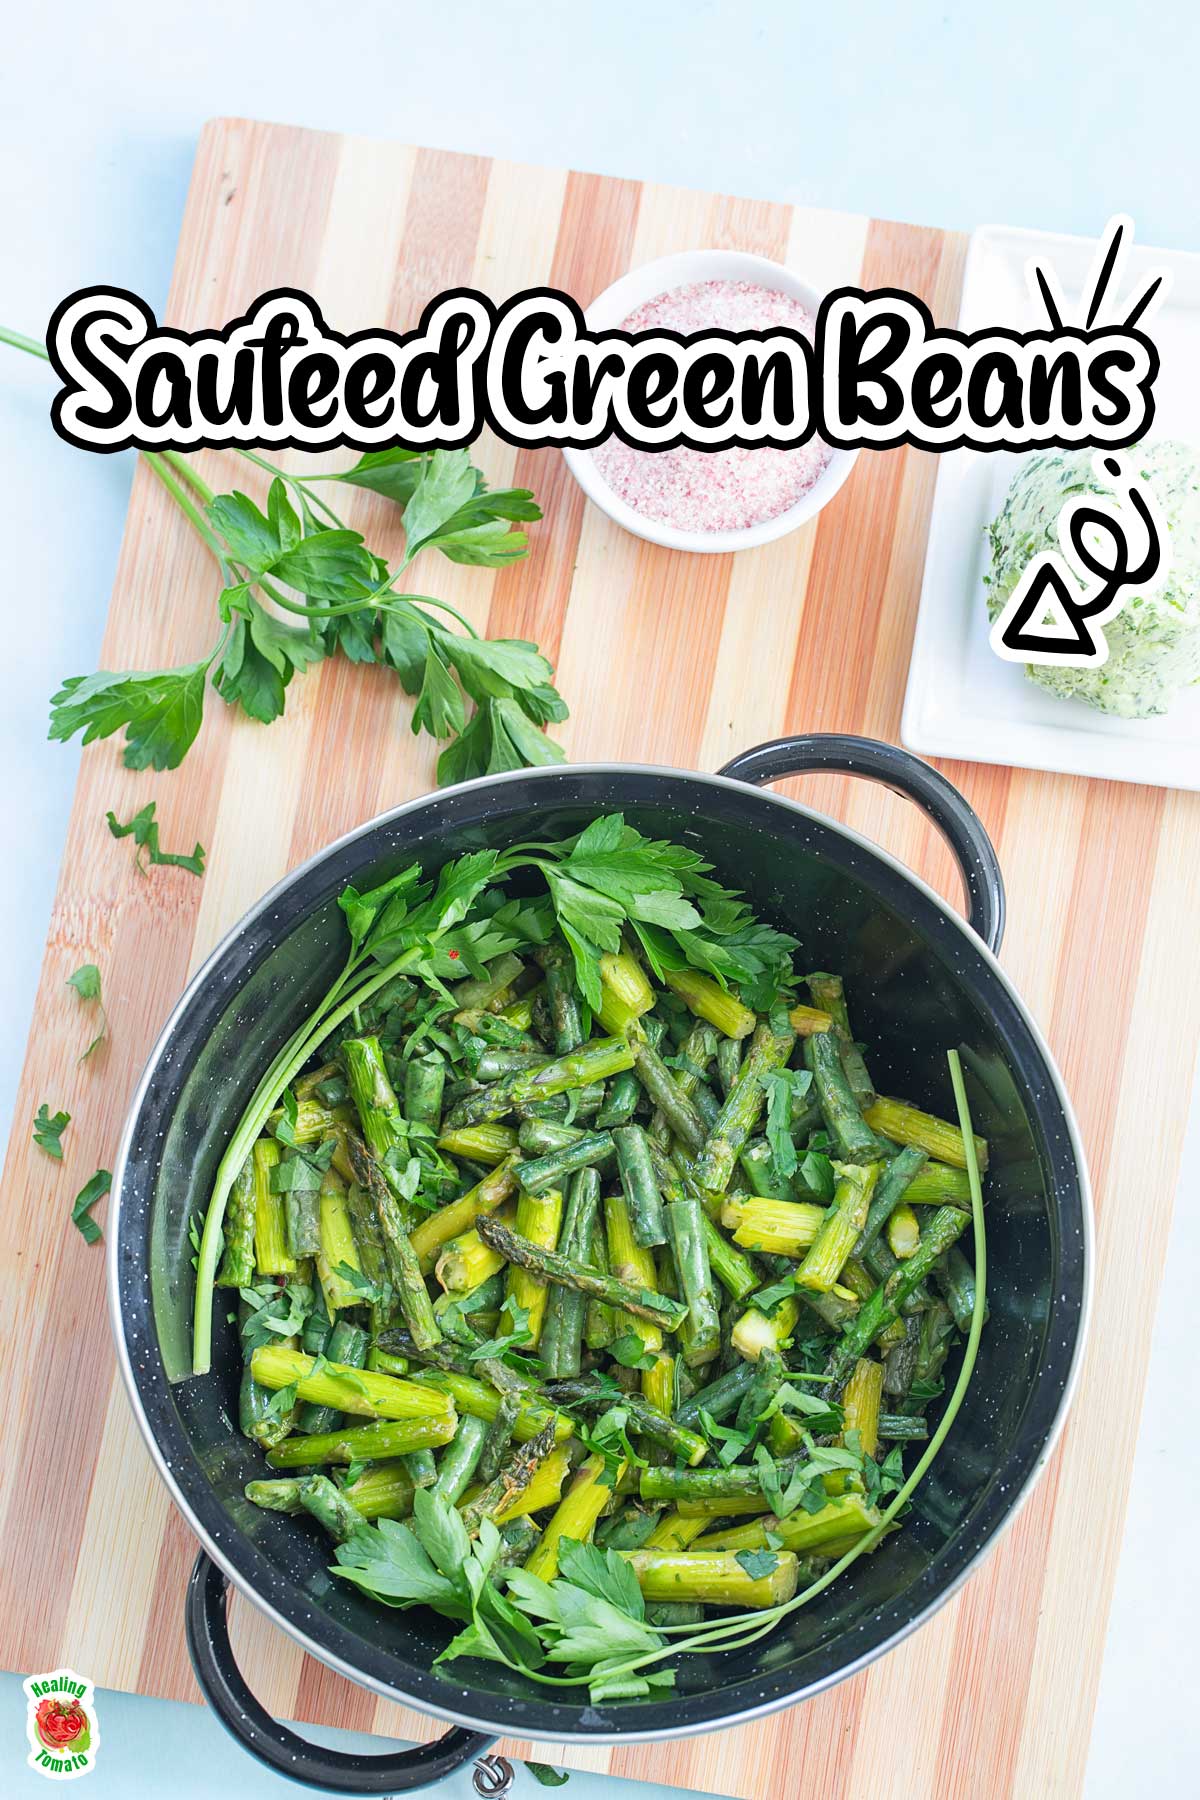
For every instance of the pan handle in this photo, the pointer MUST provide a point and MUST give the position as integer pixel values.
(905, 774)
(246, 1719)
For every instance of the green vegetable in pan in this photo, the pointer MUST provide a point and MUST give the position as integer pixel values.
(514, 1277)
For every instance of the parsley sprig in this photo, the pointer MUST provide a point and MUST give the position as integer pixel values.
(299, 562)
(590, 1619)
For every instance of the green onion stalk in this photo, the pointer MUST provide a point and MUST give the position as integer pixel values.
(353, 987)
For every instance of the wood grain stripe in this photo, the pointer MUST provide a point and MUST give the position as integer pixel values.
(441, 230)
(862, 591)
(326, 1698)
(595, 236)
(164, 1667)
(768, 587)
(358, 709)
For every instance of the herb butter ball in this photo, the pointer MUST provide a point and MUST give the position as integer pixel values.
(1154, 641)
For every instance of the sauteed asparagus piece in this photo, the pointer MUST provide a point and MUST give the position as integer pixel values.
(582, 1272)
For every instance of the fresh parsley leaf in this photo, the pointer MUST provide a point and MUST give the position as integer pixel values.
(299, 1169)
(727, 1440)
(369, 1292)
(517, 1334)
(816, 1173)
(282, 1401)
(927, 1388)
(440, 709)
(331, 567)
(612, 878)
(608, 1438)
(622, 1684)
(768, 1298)
(451, 509)
(379, 905)
(86, 982)
(433, 1562)
(254, 538)
(144, 829)
(497, 1631)
(161, 710)
(444, 482)
(388, 1561)
(545, 1776)
(274, 1312)
(493, 668)
(880, 1480)
(631, 1352)
(344, 601)
(788, 1398)
(784, 1087)
(327, 566)
(48, 1128)
(783, 1500)
(442, 1535)
(289, 1114)
(758, 1563)
(393, 473)
(93, 1189)
(504, 731)
(579, 1625)
(602, 1573)
(259, 658)
(404, 636)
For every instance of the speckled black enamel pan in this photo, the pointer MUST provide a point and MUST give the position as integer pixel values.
(921, 980)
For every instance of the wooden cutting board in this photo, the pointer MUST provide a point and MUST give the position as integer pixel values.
(663, 658)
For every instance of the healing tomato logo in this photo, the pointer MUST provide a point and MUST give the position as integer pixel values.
(60, 1722)
(61, 1726)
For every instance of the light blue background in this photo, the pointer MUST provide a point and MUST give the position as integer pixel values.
(153, 1747)
(1045, 114)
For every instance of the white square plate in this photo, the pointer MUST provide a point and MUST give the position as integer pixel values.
(962, 700)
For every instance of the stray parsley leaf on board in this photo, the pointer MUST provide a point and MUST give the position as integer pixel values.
(48, 1129)
(86, 982)
(81, 1211)
(143, 828)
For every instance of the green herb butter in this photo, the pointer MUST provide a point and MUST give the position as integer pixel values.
(1154, 641)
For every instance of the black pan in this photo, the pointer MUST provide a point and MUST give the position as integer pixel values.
(920, 979)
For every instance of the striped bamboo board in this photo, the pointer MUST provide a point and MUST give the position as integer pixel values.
(664, 658)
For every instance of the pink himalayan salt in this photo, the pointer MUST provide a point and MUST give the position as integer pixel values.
(714, 490)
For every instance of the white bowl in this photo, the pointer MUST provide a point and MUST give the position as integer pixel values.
(615, 304)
